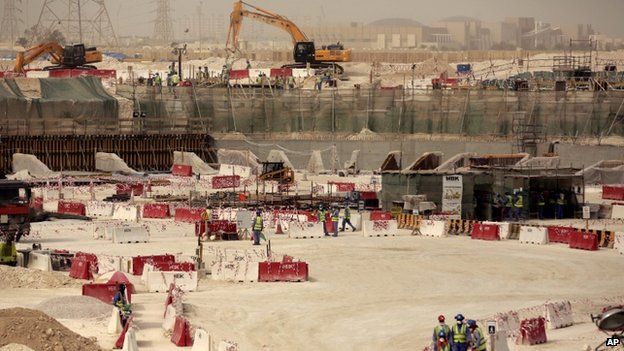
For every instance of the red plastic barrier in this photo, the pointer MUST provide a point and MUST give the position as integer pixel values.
(122, 336)
(613, 192)
(129, 188)
(74, 208)
(222, 226)
(239, 74)
(560, 234)
(281, 72)
(80, 269)
(188, 214)
(368, 195)
(223, 182)
(344, 187)
(285, 271)
(181, 335)
(380, 216)
(105, 292)
(485, 231)
(200, 228)
(583, 241)
(118, 278)
(182, 170)
(532, 331)
(174, 266)
(156, 211)
(87, 256)
(140, 261)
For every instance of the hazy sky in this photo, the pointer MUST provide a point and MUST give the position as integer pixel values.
(136, 16)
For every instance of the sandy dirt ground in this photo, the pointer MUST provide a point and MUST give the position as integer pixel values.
(363, 293)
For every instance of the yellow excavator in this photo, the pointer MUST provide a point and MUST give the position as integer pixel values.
(72, 56)
(304, 51)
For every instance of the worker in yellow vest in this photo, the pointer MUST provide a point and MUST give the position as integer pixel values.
(322, 217)
(335, 216)
(442, 343)
(561, 202)
(478, 342)
(442, 327)
(258, 226)
(508, 206)
(459, 337)
(541, 204)
(518, 206)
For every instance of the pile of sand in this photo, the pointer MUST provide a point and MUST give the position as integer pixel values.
(40, 332)
(15, 347)
(74, 307)
(18, 277)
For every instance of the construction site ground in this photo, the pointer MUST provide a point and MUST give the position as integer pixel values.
(364, 293)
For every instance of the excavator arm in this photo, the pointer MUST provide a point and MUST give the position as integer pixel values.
(261, 15)
(26, 57)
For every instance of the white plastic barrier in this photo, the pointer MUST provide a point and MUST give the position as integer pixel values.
(302, 72)
(146, 269)
(201, 341)
(619, 243)
(306, 230)
(126, 212)
(229, 170)
(433, 228)
(533, 235)
(40, 261)
(100, 230)
(130, 341)
(50, 206)
(504, 229)
(617, 212)
(129, 234)
(558, 314)
(508, 322)
(170, 317)
(380, 228)
(158, 281)
(168, 228)
(99, 209)
(235, 271)
(498, 341)
(114, 322)
(108, 263)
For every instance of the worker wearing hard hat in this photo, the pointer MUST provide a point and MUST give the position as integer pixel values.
(441, 327)
(478, 342)
(335, 216)
(258, 226)
(347, 218)
(442, 343)
(459, 336)
(322, 217)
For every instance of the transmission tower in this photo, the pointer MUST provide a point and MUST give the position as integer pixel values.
(80, 21)
(11, 16)
(163, 24)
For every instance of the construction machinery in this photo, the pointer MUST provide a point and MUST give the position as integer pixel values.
(69, 57)
(305, 53)
(276, 171)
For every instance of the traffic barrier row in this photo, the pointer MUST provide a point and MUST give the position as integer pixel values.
(433, 228)
(533, 235)
(126, 212)
(129, 188)
(174, 266)
(105, 292)
(305, 230)
(483, 231)
(100, 209)
(504, 229)
(460, 226)
(532, 332)
(558, 314)
(508, 322)
(69, 207)
(606, 238)
(156, 210)
(285, 271)
(376, 228)
(558, 234)
(583, 241)
(380, 216)
(613, 192)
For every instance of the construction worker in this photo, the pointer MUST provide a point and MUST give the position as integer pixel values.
(119, 301)
(175, 79)
(561, 202)
(477, 339)
(207, 217)
(541, 204)
(496, 205)
(258, 226)
(442, 327)
(347, 218)
(248, 65)
(518, 206)
(509, 205)
(459, 336)
(335, 216)
(291, 82)
(321, 217)
(442, 343)
(319, 82)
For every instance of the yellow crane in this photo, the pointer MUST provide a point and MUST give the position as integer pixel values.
(304, 52)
